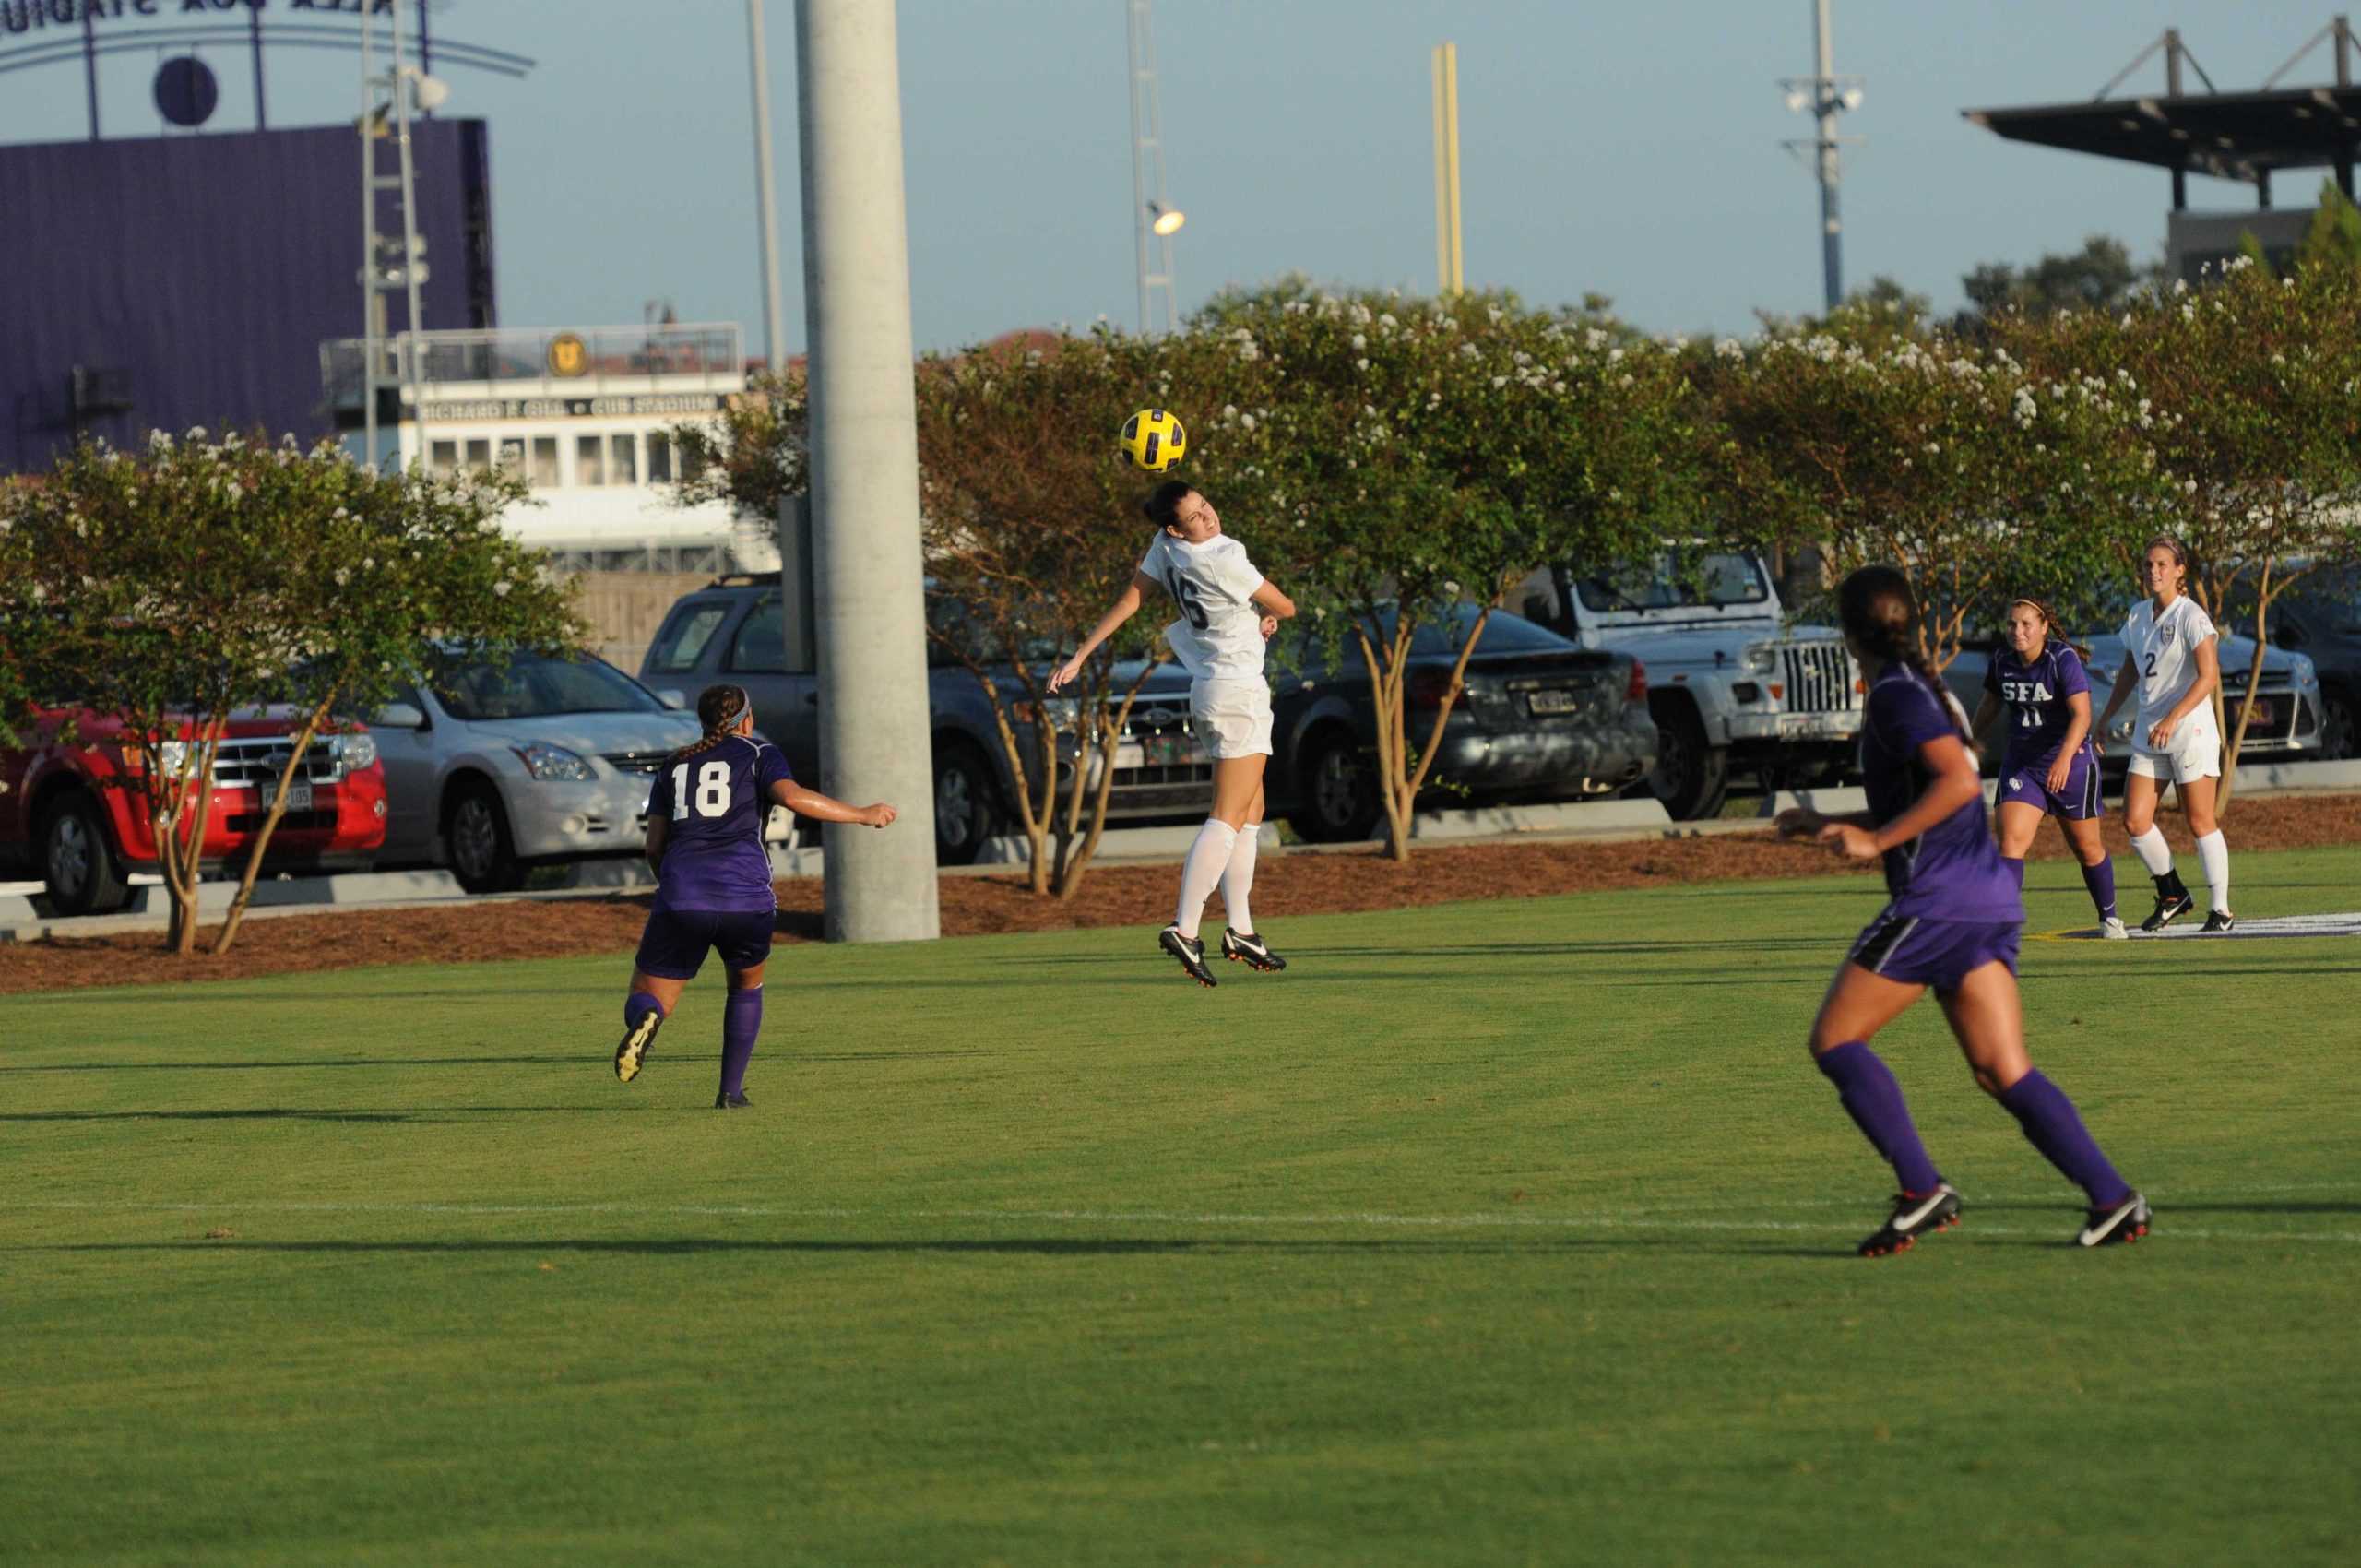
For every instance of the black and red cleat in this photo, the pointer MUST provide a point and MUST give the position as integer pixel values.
(2125, 1221)
(1245, 948)
(1915, 1215)
(1190, 951)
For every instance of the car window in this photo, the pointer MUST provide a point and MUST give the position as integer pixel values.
(1713, 577)
(760, 646)
(529, 686)
(682, 641)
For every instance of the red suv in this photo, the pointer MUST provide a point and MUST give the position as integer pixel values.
(69, 815)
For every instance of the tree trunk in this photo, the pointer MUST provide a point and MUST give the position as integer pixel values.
(1111, 730)
(245, 893)
(1037, 822)
(2236, 740)
(180, 839)
(1385, 693)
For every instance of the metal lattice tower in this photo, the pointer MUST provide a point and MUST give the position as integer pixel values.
(1148, 199)
(388, 264)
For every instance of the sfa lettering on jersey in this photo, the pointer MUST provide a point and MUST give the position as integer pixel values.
(2023, 690)
(28, 15)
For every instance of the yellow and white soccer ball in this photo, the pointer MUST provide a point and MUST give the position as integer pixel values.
(1153, 440)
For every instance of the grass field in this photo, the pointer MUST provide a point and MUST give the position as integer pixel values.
(1496, 1233)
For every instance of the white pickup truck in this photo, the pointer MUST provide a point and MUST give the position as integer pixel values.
(1729, 685)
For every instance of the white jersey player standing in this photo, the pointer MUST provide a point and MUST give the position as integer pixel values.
(1228, 610)
(2171, 658)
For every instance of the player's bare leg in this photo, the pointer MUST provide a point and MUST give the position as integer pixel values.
(647, 1005)
(1988, 1019)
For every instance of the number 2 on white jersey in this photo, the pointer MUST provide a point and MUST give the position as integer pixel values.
(712, 795)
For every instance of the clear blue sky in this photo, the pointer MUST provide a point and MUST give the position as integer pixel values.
(1631, 149)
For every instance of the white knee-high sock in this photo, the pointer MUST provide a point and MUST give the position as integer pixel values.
(1238, 879)
(2154, 853)
(2214, 851)
(1207, 858)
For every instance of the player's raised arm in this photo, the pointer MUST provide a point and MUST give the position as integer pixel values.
(827, 808)
(1127, 604)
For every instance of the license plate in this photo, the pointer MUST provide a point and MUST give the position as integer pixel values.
(1166, 751)
(1553, 702)
(299, 794)
(1811, 724)
(2263, 712)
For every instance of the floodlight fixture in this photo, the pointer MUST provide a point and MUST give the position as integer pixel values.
(1165, 222)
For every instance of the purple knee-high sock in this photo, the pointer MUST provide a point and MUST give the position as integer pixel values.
(1869, 1095)
(638, 1005)
(741, 1020)
(2016, 868)
(2100, 880)
(2052, 1126)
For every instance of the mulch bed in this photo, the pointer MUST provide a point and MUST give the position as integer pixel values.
(1139, 896)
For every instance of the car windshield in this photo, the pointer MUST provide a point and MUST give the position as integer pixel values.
(1503, 633)
(954, 629)
(532, 686)
(1670, 582)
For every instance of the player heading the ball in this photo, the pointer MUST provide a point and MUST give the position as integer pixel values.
(1952, 924)
(705, 838)
(1228, 610)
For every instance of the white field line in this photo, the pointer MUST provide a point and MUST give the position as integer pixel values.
(1610, 1219)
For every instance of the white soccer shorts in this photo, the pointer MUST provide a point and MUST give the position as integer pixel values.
(1232, 718)
(2195, 752)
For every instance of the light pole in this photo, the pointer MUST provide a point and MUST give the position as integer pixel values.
(765, 187)
(1154, 218)
(1825, 95)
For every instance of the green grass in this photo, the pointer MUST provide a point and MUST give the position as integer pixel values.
(1490, 1233)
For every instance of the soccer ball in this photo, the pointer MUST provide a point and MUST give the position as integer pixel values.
(1153, 440)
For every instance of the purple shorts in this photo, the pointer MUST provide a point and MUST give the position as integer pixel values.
(1933, 953)
(674, 945)
(2028, 784)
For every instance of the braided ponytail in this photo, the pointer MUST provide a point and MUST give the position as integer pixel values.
(718, 710)
(1880, 614)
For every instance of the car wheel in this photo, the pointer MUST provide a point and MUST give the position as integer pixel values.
(483, 854)
(1691, 778)
(1338, 792)
(967, 808)
(2337, 720)
(79, 868)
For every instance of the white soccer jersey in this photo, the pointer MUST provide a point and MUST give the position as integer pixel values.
(1219, 634)
(2163, 653)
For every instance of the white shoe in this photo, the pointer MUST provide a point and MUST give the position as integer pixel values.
(2113, 930)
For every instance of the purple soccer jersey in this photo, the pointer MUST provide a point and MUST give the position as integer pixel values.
(2036, 692)
(715, 801)
(1951, 872)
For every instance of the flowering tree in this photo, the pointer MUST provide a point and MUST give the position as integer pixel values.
(1032, 527)
(384, 574)
(1422, 452)
(1977, 476)
(2256, 385)
(167, 590)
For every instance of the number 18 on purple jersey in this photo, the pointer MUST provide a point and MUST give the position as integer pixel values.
(716, 801)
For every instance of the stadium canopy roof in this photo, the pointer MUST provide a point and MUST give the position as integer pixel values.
(2232, 135)
(2235, 135)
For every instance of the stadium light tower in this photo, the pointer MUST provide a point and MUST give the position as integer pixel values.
(404, 87)
(1154, 218)
(1824, 96)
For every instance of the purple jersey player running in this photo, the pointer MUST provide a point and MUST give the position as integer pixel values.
(1952, 925)
(2051, 768)
(705, 838)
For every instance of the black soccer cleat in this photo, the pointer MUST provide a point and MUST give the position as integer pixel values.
(1190, 951)
(1251, 950)
(1913, 1215)
(2127, 1222)
(639, 1041)
(2170, 906)
(732, 1102)
(2220, 922)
